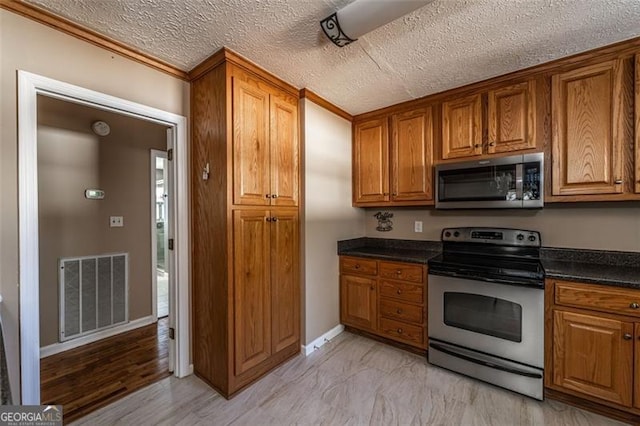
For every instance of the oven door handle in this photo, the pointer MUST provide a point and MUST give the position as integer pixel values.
(452, 352)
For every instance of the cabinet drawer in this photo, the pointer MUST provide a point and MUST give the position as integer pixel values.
(401, 271)
(401, 331)
(395, 309)
(402, 291)
(599, 298)
(358, 266)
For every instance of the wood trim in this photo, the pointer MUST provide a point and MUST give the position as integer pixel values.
(637, 124)
(602, 54)
(313, 97)
(59, 23)
(227, 55)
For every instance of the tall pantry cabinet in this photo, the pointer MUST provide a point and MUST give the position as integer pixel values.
(245, 229)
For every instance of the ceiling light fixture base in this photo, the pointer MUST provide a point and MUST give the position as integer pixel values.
(331, 28)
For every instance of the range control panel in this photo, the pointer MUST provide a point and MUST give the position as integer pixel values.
(498, 236)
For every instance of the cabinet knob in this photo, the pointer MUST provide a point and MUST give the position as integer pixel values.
(476, 145)
(398, 271)
(274, 219)
(627, 336)
(398, 311)
(372, 287)
(492, 144)
(395, 194)
(618, 181)
(357, 266)
(268, 219)
(399, 291)
(634, 305)
(399, 331)
(267, 196)
(274, 195)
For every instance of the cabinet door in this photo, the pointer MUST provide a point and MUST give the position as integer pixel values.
(636, 377)
(412, 159)
(512, 118)
(371, 161)
(593, 355)
(251, 288)
(285, 287)
(588, 131)
(358, 302)
(250, 145)
(462, 127)
(284, 152)
(637, 133)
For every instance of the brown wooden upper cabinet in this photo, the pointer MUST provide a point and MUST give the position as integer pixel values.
(371, 161)
(512, 118)
(462, 127)
(588, 130)
(511, 122)
(395, 171)
(265, 147)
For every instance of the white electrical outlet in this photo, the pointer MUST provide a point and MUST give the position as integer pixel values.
(417, 226)
(116, 221)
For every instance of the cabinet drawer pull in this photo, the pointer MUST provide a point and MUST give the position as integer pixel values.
(634, 305)
(617, 181)
(627, 336)
(399, 331)
(398, 311)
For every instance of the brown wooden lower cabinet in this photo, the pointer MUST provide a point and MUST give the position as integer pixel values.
(593, 344)
(387, 299)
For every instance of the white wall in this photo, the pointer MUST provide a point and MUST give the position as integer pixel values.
(329, 216)
(27, 45)
(597, 226)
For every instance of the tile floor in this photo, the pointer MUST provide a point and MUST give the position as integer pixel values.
(351, 380)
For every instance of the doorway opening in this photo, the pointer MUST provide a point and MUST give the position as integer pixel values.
(160, 236)
(31, 88)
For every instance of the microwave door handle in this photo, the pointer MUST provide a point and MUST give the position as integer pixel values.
(519, 173)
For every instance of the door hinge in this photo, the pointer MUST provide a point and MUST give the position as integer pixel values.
(170, 154)
(172, 333)
(170, 243)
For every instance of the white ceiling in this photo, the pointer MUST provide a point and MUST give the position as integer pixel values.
(445, 44)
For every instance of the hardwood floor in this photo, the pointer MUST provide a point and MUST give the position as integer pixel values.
(89, 377)
(350, 380)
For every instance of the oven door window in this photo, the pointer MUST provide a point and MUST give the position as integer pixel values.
(485, 315)
(491, 183)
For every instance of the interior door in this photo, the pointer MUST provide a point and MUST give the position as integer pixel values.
(169, 233)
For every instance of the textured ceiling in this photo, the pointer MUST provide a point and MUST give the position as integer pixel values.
(445, 44)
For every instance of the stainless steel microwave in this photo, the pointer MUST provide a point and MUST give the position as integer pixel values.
(514, 182)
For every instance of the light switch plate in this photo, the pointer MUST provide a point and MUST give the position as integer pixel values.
(417, 226)
(116, 221)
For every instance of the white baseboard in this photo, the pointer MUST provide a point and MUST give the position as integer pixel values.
(94, 337)
(316, 344)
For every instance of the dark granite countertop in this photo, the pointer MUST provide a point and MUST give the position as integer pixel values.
(411, 251)
(616, 268)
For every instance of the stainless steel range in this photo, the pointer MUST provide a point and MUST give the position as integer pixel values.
(486, 307)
